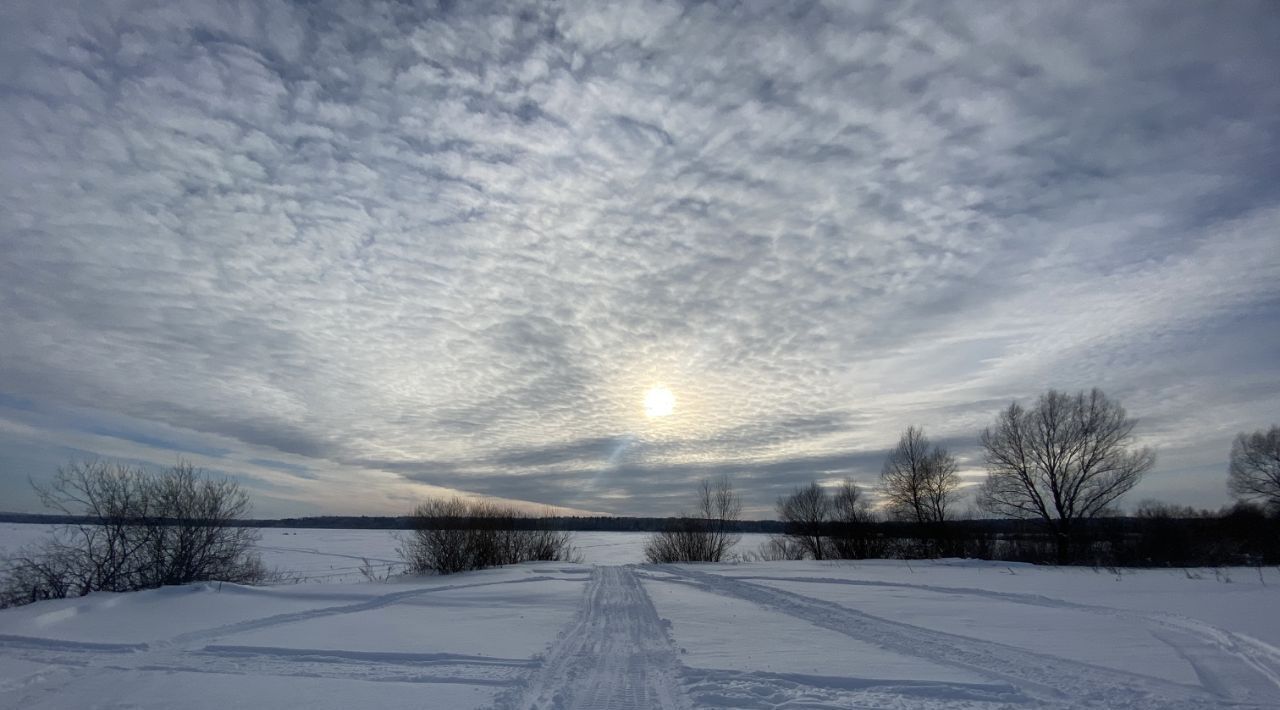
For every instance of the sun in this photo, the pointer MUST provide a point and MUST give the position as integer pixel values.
(659, 402)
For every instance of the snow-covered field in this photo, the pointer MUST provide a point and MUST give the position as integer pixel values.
(611, 634)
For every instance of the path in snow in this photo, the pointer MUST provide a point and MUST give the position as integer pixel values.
(75, 663)
(1054, 681)
(616, 655)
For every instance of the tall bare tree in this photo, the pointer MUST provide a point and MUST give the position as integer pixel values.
(919, 479)
(1254, 471)
(1064, 460)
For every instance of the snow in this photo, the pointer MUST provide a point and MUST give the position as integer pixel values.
(617, 634)
(305, 555)
(713, 631)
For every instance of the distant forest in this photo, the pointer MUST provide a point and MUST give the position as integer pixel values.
(405, 522)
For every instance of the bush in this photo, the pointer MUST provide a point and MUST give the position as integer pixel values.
(137, 530)
(455, 535)
(706, 535)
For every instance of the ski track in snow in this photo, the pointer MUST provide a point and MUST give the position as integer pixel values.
(1053, 681)
(615, 655)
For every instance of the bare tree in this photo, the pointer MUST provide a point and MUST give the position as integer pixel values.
(194, 535)
(805, 514)
(919, 479)
(1254, 471)
(102, 553)
(135, 530)
(707, 534)
(1064, 460)
(852, 530)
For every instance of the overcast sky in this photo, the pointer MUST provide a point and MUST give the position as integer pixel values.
(354, 254)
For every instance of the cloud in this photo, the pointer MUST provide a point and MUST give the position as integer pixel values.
(392, 244)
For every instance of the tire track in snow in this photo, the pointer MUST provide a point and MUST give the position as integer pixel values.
(79, 661)
(375, 666)
(1232, 665)
(378, 602)
(615, 655)
(44, 644)
(1012, 597)
(1228, 664)
(1055, 681)
(298, 663)
(761, 690)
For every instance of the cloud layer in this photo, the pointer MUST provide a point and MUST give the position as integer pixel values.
(355, 252)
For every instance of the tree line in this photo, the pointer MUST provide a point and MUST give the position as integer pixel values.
(1055, 469)
(571, 523)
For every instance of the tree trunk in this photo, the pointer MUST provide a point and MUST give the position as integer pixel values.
(1063, 539)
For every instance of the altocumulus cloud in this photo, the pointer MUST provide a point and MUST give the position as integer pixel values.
(355, 253)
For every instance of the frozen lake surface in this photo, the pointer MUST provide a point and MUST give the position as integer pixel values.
(337, 555)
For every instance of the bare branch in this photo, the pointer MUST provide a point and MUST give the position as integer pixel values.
(1066, 459)
(1254, 471)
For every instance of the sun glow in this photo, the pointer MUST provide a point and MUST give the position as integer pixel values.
(659, 402)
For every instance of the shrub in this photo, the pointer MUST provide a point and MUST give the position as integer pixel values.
(454, 535)
(136, 530)
(704, 536)
(781, 547)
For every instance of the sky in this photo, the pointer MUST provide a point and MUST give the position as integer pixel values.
(353, 255)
